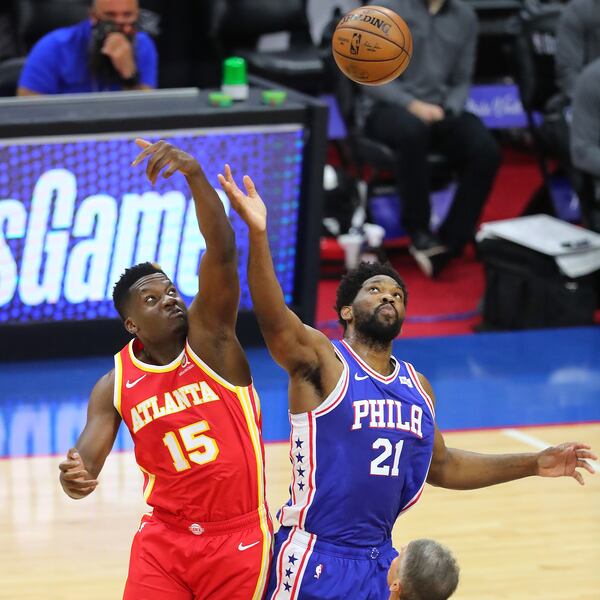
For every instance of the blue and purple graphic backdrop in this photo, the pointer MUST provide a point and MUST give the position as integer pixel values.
(74, 214)
(497, 105)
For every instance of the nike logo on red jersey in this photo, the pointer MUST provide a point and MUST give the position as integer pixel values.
(241, 547)
(130, 384)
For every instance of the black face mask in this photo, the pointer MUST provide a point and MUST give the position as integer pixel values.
(101, 66)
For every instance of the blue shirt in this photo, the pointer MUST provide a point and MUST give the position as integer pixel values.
(361, 458)
(59, 62)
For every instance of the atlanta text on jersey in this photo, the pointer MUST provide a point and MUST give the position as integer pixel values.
(171, 402)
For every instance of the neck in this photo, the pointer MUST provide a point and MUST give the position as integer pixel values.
(161, 354)
(376, 354)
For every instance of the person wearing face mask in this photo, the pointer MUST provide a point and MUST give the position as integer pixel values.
(103, 53)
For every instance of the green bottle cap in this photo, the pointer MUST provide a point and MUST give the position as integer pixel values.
(273, 97)
(220, 99)
(234, 71)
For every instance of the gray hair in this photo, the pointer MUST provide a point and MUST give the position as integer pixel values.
(428, 571)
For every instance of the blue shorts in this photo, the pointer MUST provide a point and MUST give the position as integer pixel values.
(305, 568)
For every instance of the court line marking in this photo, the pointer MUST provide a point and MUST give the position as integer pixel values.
(540, 444)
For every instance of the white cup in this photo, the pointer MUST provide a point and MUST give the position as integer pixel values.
(351, 243)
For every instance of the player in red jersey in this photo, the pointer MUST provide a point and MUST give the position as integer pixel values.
(184, 389)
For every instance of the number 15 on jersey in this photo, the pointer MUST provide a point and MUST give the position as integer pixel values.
(199, 448)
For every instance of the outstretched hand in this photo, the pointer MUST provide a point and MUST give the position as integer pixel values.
(564, 460)
(74, 477)
(162, 154)
(249, 206)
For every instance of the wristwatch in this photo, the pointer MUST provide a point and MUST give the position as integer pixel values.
(131, 81)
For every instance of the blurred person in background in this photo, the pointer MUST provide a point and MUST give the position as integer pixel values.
(585, 141)
(103, 53)
(8, 46)
(577, 43)
(424, 111)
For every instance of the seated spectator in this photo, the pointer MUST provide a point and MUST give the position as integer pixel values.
(423, 569)
(577, 44)
(102, 53)
(424, 111)
(8, 46)
(585, 141)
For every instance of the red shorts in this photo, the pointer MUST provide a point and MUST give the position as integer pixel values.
(174, 559)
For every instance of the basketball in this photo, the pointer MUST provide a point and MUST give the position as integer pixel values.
(372, 45)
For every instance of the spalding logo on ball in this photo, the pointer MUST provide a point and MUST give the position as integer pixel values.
(372, 45)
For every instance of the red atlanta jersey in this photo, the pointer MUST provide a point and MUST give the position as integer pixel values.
(197, 437)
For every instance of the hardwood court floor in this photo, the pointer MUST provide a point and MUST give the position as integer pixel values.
(530, 539)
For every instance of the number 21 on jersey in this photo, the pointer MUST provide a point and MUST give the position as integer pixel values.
(377, 464)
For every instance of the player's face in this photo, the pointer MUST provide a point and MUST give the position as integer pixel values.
(378, 310)
(156, 309)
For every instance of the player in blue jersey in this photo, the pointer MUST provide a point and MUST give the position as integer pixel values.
(363, 434)
(423, 569)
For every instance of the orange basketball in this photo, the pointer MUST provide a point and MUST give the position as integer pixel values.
(372, 45)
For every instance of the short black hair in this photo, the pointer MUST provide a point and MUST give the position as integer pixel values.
(352, 282)
(128, 278)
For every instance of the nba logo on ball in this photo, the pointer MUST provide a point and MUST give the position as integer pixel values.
(372, 45)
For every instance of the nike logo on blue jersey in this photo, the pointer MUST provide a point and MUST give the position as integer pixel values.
(360, 377)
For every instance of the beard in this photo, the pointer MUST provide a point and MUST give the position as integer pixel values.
(372, 328)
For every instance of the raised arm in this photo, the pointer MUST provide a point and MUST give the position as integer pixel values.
(215, 306)
(285, 334)
(213, 312)
(79, 471)
(301, 350)
(462, 470)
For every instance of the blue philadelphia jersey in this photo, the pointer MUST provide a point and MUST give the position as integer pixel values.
(361, 458)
